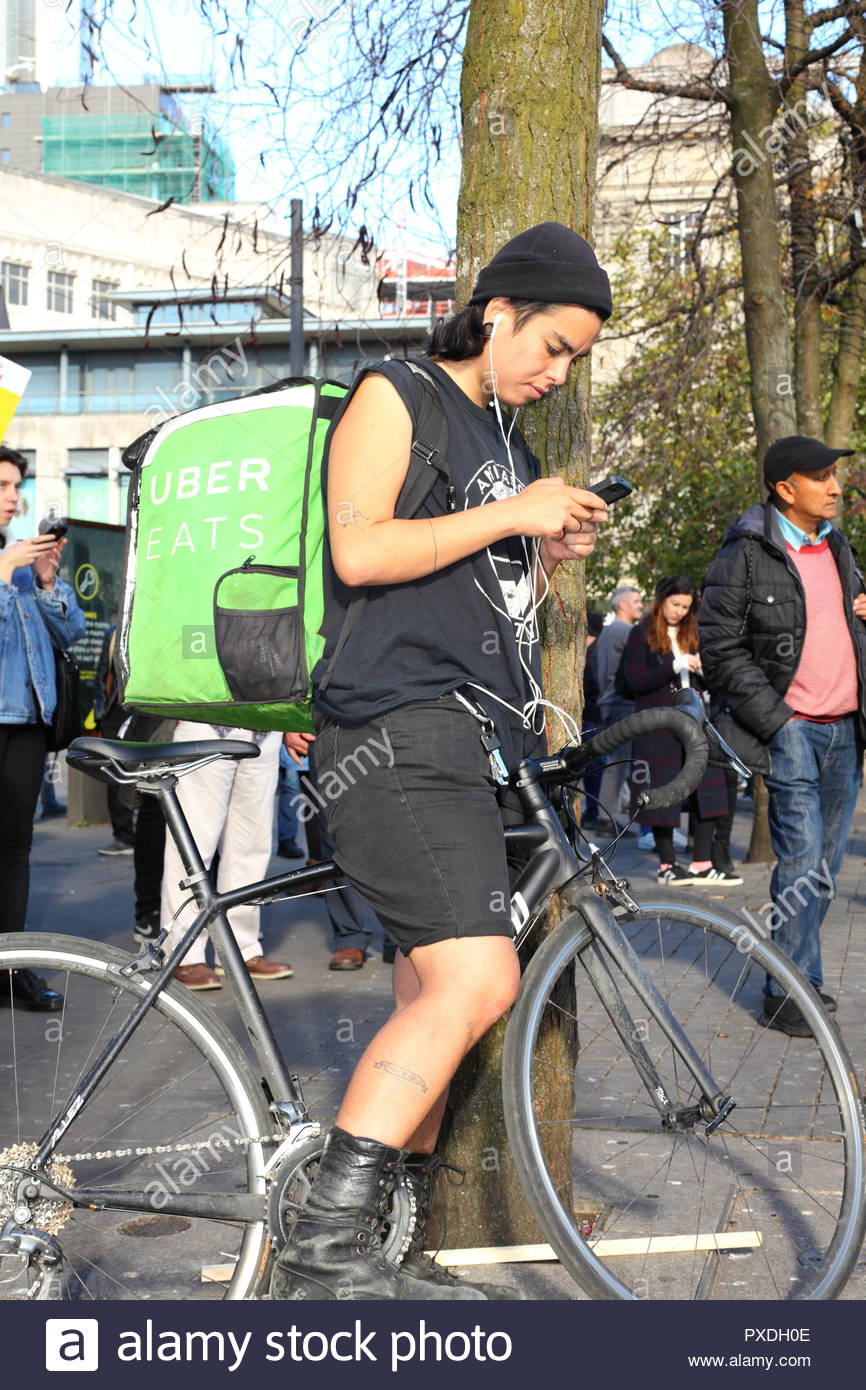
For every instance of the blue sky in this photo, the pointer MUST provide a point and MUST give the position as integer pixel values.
(169, 39)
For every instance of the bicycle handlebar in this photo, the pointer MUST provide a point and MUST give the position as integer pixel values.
(683, 727)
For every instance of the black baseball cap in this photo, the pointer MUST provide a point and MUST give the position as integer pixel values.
(797, 453)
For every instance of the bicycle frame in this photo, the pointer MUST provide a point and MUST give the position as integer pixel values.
(552, 866)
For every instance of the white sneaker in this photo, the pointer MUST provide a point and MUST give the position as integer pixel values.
(714, 876)
(674, 875)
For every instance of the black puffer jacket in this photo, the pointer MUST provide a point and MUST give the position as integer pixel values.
(752, 624)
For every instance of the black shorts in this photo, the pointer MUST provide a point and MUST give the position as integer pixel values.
(411, 806)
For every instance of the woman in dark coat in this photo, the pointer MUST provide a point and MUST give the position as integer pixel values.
(660, 657)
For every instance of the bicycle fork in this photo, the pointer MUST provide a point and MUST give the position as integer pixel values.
(715, 1106)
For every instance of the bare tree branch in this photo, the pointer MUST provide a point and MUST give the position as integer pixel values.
(701, 90)
(834, 12)
(815, 55)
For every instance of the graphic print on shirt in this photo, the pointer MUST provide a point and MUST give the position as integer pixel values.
(494, 482)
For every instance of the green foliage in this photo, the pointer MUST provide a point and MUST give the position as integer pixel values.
(676, 421)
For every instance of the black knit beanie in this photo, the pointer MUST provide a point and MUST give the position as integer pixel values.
(549, 263)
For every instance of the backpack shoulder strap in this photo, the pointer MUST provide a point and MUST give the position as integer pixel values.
(429, 454)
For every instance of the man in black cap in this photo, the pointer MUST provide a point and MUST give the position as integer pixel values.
(783, 640)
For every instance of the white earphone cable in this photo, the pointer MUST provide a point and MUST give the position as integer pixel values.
(525, 627)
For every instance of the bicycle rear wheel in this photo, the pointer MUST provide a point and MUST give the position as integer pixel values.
(770, 1206)
(178, 1114)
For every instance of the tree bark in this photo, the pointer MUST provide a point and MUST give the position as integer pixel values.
(804, 236)
(529, 95)
(767, 331)
(760, 850)
(848, 368)
(848, 365)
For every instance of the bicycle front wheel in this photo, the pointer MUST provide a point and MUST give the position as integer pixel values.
(770, 1205)
(178, 1116)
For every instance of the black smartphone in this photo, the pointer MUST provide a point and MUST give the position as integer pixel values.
(55, 529)
(612, 488)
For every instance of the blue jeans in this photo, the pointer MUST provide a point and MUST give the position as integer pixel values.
(816, 770)
(289, 788)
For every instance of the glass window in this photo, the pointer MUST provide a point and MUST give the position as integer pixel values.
(6, 118)
(14, 278)
(87, 461)
(59, 292)
(102, 306)
(24, 523)
(87, 478)
(4, 156)
(27, 507)
(233, 311)
(88, 498)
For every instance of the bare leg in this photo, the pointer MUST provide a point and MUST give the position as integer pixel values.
(407, 987)
(464, 985)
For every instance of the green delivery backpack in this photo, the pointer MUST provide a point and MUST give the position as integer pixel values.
(223, 573)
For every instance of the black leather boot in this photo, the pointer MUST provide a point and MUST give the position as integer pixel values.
(334, 1250)
(420, 1172)
(29, 991)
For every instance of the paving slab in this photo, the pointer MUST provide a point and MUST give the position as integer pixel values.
(324, 1019)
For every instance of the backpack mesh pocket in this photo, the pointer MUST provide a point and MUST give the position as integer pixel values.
(259, 634)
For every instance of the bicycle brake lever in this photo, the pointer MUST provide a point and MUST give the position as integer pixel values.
(725, 748)
(691, 703)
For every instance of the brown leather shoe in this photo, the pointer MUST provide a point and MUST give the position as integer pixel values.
(197, 977)
(262, 969)
(350, 958)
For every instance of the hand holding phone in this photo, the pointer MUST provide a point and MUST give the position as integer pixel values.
(611, 489)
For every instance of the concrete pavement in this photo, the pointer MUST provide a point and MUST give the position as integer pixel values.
(324, 1019)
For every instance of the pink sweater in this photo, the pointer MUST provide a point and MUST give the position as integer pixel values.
(825, 682)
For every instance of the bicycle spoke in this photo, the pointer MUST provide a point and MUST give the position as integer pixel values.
(170, 1117)
(683, 1212)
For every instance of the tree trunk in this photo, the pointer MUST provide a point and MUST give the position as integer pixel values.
(529, 94)
(848, 364)
(848, 367)
(804, 237)
(760, 850)
(767, 333)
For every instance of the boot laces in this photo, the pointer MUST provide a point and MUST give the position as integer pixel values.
(421, 1174)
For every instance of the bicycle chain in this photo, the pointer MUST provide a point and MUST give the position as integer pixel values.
(146, 1150)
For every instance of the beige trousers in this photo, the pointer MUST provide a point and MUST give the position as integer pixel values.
(229, 805)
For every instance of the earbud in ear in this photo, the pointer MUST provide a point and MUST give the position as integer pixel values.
(496, 318)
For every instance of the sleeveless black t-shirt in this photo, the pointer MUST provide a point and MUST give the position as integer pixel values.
(463, 624)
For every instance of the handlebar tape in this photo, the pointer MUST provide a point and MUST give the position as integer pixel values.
(683, 727)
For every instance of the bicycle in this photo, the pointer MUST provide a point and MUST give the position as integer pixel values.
(181, 1134)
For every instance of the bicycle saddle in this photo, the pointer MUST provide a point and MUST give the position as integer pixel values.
(94, 755)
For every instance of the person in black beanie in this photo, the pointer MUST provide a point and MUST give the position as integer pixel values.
(454, 584)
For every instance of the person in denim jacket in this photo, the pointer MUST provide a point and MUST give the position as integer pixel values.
(36, 610)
